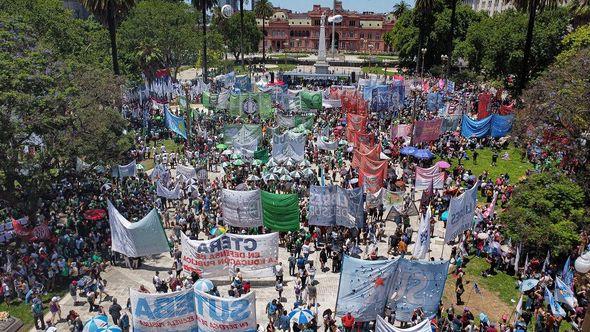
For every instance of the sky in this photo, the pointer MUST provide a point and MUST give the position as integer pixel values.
(378, 6)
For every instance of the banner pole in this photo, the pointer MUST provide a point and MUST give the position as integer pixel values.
(443, 250)
(339, 282)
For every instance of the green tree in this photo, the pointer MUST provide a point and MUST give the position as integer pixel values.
(249, 33)
(53, 108)
(545, 212)
(110, 13)
(531, 7)
(556, 115)
(423, 18)
(264, 11)
(400, 8)
(494, 44)
(203, 6)
(574, 42)
(173, 42)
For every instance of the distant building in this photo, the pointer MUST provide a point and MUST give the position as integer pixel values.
(358, 32)
(491, 7)
(78, 10)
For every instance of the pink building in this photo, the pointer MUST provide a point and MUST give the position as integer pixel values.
(299, 32)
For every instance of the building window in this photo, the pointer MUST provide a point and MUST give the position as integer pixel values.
(362, 35)
(370, 36)
(351, 23)
(351, 34)
(377, 36)
(316, 22)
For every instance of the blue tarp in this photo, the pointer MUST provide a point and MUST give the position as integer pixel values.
(494, 125)
(435, 101)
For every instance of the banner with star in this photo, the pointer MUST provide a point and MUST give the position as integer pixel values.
(366, 287)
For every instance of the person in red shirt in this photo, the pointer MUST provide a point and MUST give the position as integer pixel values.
(348, 322)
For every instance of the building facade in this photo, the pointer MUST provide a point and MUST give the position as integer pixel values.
(299, 32)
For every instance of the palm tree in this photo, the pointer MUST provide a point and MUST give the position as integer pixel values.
(108, 12)
(452, 34)
(203, 6)
(400, 8)
(532, 6)
(242, 29)
(263, 10)
(423, 7)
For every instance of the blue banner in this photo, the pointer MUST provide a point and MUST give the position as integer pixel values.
(226, 314)
(322, 200)
(175, 123)
(163, 311)
(243, 83)
(501, 125)
(366, 287)
(349, 207)
(494, 125)
(435, 101)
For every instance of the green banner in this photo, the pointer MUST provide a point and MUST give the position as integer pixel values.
(311, 100)
(261, 155)
(251, 103)
(280, 211)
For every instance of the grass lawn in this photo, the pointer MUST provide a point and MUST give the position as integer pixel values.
(22, 310)
(170, 146)
(513, 166)
(501, 284)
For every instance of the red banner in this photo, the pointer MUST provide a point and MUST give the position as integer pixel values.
(372, 173)
(364, 151)
(506, 109)
(427, 130)
(483, 105)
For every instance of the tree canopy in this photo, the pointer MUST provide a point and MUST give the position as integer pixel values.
(172, 42)
(57, 103)
(231, 28)
(546, 212)
(494, 44)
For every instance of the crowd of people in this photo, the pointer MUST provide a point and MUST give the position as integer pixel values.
(75, 251)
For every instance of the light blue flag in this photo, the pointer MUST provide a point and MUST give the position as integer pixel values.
(563, 293)
(367, 286)
(175, 123)
(556, 309)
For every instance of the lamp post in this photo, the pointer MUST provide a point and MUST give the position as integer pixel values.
(444, 58)
(582, 265)
(415, 91)
(423, 55)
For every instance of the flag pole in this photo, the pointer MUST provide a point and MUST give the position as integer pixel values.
(339, 282)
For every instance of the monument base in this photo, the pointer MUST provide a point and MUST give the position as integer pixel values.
(322, 67)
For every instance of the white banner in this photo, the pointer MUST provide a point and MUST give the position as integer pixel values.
(226, 314)
(288, 145)
(162, 191)
(163, 311)
(188, 172)
(255, 255)
(461, 212)
(323, 143)
(241, 208)
(383, 326)
(127, 170)
(142, 238)
(427, 176)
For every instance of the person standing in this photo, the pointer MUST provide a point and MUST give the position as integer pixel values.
(292, 261)
(124, 322)
(279, 288)
(279, 272)
(55, 309)
(37, 311)
(115, 311)
(348, 322)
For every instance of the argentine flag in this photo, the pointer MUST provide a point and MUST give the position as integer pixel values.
(175, 123)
